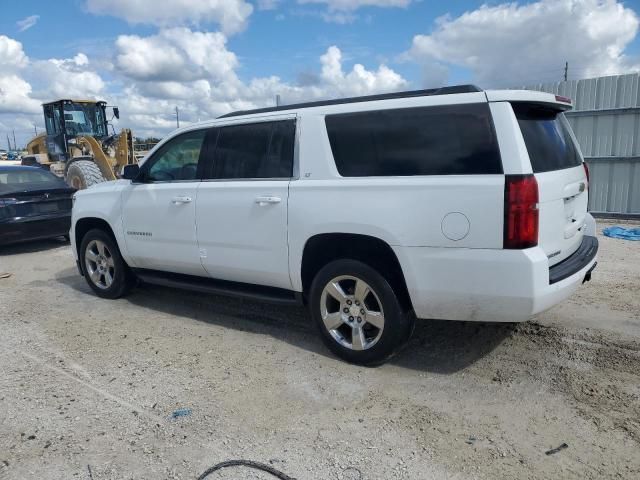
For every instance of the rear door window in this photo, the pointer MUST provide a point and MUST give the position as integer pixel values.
(441, 140)
(256, 150)
(546, 134)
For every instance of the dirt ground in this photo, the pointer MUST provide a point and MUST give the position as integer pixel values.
(88, 386)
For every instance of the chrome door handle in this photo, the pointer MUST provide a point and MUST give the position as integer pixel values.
(267, 199)
(177, 200)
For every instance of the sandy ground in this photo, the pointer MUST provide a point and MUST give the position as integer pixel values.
(88, 386)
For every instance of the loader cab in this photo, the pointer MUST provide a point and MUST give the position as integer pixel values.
(67, 119)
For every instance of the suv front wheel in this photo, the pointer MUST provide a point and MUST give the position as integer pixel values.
(358, 313)
(104, 268)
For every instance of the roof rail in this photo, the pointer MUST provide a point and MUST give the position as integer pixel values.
(367, 98)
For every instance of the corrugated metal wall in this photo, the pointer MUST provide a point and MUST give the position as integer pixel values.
(606, 121)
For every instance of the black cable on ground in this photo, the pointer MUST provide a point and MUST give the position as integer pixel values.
(245, 463)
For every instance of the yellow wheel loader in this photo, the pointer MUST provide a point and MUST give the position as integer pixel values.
(77, 144)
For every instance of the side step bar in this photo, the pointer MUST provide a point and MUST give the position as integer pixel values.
(220, 287)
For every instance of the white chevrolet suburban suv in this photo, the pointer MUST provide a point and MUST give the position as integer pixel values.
(454, 203)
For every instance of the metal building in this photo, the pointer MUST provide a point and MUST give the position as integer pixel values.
(606, 121)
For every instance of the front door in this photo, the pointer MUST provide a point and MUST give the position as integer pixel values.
(159, 208)
(241, 211)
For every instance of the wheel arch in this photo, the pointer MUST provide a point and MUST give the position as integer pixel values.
(323, 248)
(84, 225)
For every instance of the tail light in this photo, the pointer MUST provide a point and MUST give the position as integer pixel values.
(520, 211)
(586, 171)
(560, 98)
(6, 210)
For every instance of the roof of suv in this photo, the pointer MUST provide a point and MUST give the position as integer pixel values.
(367, 98)
(558, 102)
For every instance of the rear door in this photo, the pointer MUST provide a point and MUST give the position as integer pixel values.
(562, 181)
(241, 210)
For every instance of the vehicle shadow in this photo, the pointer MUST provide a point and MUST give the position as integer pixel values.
(32, 246)
(436, 346)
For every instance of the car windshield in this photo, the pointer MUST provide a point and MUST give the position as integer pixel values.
(84, 119)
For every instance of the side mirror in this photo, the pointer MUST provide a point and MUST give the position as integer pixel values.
(130, 172)
(116, 112)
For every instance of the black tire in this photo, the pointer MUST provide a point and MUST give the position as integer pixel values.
(82, 174)
(123, 279)
(398, 322)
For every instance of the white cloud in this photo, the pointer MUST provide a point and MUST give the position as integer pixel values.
(25, 83)
(231, 15)
(351, 5)
(15, 96)
(512, 44)
(15, 92)
(268, 4)
(27, 23)
(175, 54)
(174, 67)
(343, 12)
(12, 55)
(339, 17)
(359, 81)
(69, 78)
(196, 72)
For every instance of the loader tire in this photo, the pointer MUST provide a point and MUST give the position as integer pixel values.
(82, 174)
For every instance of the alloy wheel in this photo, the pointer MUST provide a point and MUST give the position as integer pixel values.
(99, 264)
(352, 312)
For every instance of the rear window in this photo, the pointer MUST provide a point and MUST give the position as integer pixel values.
(442, 140)
(20, 176)
(546, 134)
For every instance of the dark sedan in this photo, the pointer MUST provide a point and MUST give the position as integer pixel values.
(34, 204)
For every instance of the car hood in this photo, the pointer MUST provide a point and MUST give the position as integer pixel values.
(102, 187)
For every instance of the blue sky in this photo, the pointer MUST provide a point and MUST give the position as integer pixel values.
(285, 41)
(310, 45)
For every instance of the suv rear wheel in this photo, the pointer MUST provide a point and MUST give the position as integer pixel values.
(104, 269)
(358, 313)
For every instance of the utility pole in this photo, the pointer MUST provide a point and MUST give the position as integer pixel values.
(177, 117)
(35, 129)
(278, 102)
(566, 70)
(14, 140)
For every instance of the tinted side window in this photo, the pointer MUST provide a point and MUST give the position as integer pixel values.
(257, 150)
(177, 159)
(547, 137)
(444, 140)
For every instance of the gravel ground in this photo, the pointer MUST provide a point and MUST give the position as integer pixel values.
(88, 386)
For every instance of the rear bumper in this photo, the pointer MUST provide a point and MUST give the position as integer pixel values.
(489, 285)
(15, 231)
(575, 263)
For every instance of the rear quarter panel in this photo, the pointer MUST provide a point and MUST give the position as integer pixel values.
(402, 211)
